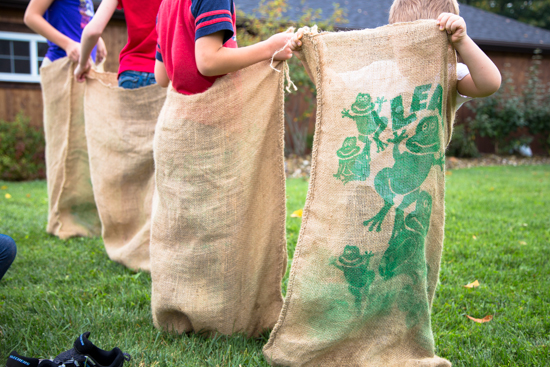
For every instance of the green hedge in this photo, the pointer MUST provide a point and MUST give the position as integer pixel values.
(511, 117)
(22, 150)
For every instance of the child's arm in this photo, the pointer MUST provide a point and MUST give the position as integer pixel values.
(91, 35)
(160, 74)
(34, 19)
(214, 59)
(101, 52)
(484, 78)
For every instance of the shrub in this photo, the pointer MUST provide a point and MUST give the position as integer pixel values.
(536, 103)
(502, 116)
(22, 150)
(499, 115)
(463, 143)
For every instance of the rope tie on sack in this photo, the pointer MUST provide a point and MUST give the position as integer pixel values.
(286, 69)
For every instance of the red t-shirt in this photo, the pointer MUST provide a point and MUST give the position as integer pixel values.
(180, 23)
(139, 52)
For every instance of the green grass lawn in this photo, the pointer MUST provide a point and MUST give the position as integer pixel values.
(497, 232)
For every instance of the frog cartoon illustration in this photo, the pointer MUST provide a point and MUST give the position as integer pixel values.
(356, 271)
(368, 122)
(353, 165)
(405, 254)
(410, 170)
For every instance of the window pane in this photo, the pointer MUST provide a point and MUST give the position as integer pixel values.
(42, 48)
(21, 48)
(5, 66)
(4, 47)
(22, 67)
(39, 62)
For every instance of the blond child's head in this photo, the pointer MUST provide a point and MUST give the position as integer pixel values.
(411, 10)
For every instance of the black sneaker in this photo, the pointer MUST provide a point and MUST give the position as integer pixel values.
(85, 354)
(16, 360)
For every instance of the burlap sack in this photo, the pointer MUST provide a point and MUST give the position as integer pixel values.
(120, 125)
(367, 260)
(72, 210)
(218, 247)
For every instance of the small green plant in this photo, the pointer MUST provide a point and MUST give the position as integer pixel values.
(507, 116)
(499, 116)
(22, 150)
(463, 143)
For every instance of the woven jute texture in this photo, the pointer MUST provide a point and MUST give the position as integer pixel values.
(218, 247)
(120, 125)
(367, 259)
(72, 210)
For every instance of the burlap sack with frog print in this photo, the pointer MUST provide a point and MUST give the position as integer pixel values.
(218, 246)
(72, 210)
(120, 125)
(367, 259)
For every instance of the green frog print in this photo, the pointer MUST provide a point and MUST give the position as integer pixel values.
(354, 165)
(405, 253)
(410, 170)
(354, 162)
(368, 121)
(356, 271)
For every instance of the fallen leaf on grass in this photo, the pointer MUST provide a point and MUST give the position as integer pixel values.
(492, 189)
(481, 321)
(297, 214)
(8, 196)
(474, 237)
(472, 285)
(4, 187)
(28, 195)
(523, 243)
(448, 173)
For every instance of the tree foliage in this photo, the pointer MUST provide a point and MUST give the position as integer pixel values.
(536, 13)
(269, 18)
(22, 150)
(507, 115)
(498, 116)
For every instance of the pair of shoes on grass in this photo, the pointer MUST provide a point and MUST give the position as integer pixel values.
(83, 354)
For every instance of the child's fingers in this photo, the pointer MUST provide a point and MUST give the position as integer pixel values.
(441, 20)
(446, 20)
(283, 55)
(295, 44)
(454, 26)
(79, 77)
(449, 24)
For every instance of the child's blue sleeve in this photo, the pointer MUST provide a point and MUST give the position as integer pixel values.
(158, 55)
(213, 16)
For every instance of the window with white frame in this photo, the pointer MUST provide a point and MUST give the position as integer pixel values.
(21, 55)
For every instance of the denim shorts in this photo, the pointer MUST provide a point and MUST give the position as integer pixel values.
(8, 249)
(135, 79)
